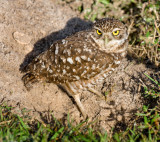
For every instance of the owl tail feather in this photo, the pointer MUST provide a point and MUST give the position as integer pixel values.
(29, 79)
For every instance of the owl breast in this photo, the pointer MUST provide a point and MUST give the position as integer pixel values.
(99, 78)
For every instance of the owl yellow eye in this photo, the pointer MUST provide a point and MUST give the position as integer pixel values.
(99, 32)
(115, 33)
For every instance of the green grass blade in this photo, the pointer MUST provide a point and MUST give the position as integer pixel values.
(57, 133)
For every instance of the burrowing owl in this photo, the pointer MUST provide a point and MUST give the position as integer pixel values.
(81, 60)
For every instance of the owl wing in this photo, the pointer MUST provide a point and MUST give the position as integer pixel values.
(71, 59)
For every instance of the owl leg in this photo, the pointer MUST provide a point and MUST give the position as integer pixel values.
(80, 105)
(95, 92)
(69, 87)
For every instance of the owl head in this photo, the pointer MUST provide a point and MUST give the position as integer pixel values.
(111, 35)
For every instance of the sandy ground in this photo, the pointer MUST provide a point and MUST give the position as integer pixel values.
(27, 28)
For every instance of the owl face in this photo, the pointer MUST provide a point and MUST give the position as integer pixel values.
(111, 35)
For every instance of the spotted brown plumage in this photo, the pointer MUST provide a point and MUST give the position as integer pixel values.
(82, 60)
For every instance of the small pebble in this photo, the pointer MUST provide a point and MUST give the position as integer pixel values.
(119, 117)
(21, 38)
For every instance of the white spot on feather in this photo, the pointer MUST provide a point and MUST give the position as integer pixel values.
(104, 75)
(112, 69)
(43, 66)
(100, 79)
(117, 62)
(89, 59)
(68, 67)
(34, 67)
(69, 59)
(64, 71)
(77, 77)
(69, 52)
(50, 71)
(56, 61)
(79, 50)
(56, 51)
(93, 67)
(63, 59)
(63, 41)
(64, 51)
(78, 59)
(93, 73)
(110, 72)
(83, 72)
(87, 49)
(84, 57)
(123, 54)
(87, 68)
(80, 86)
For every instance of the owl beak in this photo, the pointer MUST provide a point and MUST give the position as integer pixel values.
(106, 40)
